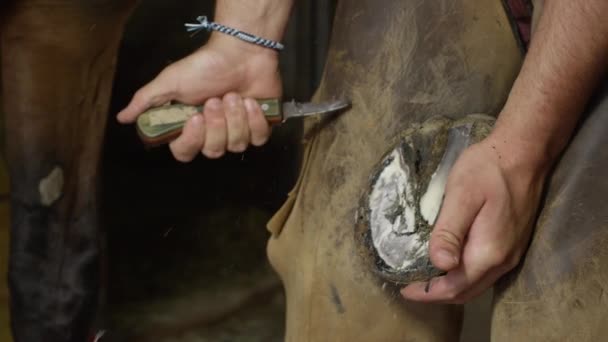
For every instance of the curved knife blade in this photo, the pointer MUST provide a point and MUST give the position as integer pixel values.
(296, 109)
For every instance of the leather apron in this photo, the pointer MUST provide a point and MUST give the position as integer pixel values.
(400, 62)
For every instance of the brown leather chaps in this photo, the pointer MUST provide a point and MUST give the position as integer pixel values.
(401, 63)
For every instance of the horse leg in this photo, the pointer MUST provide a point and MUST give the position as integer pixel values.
(58, 61)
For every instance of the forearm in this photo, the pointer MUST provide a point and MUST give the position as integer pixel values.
(566, 58)
(264, 18)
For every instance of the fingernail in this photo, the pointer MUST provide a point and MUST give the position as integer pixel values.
(447, 258)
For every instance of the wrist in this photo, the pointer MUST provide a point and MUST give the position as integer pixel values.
(519, 155)
(240, 53)
(264, 18)
(243, 48)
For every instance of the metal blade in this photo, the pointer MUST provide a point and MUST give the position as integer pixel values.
(294, 109)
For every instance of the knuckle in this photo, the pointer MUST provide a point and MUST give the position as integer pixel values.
(141, 95)
(169, 69)
(512, 261)
(499, 257)
(445, 236)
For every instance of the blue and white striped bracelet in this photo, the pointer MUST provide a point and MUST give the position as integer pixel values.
(204, 24)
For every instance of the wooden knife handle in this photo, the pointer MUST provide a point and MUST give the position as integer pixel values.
(163, 124)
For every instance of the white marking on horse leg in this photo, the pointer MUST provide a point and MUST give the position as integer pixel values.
(51, 187)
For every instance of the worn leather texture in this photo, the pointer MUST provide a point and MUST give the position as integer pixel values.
(399, 62)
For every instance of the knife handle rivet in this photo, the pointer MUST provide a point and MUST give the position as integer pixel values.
(265, 107)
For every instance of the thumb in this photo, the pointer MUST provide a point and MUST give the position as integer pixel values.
(155, 93)
(459, 209)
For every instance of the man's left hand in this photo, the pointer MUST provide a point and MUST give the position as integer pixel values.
(485, 223)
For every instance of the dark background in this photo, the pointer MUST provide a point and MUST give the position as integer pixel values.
(186, 242)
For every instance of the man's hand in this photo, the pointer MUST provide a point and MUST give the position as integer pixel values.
(226, 75)
(494, 188)
(485, 222)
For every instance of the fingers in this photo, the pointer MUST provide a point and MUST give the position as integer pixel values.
(236, 122)
(484, 221)
(446, 289)
(216, 131)
(486, 257)
(228, 124)
(258, 125)
(458, 283)
(461, 205)
(458, 286)
(155, 93)
(480, 287)
(190, 142)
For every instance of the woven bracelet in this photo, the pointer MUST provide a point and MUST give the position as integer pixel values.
(204, 24)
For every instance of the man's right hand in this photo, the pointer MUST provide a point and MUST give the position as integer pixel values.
(225, 75)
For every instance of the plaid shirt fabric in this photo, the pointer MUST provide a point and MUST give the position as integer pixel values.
(521, 13)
